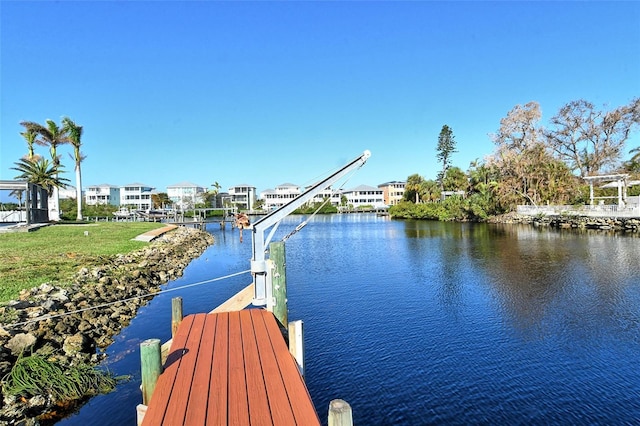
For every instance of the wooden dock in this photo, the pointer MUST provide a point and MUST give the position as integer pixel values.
(230, 368)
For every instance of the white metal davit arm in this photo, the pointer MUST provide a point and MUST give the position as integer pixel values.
(259, 268)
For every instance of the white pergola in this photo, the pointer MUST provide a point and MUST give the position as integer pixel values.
(620, 181)
(35, 199)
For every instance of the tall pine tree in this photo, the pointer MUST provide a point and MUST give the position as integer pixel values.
(446, 147)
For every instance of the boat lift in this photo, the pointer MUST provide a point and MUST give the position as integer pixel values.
(261, 267)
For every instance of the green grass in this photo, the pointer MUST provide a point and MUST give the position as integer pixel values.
(55, 253)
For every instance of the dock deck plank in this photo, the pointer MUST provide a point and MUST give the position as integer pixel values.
(230, 368)
(217, 407)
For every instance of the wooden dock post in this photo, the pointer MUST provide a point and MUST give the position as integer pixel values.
(279, 281)
(296, 343)
(176, 314)
(340, 413)
(151, 367)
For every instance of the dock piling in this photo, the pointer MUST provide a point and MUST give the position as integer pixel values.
(340, 413)
(279, 282)
(176, 314)
(296, 343)
(151, 367)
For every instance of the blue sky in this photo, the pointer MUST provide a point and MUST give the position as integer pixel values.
(264, 93)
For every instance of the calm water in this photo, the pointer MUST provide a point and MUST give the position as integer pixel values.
(417, 322)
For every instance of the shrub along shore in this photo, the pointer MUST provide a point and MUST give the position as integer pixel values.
(36, 345)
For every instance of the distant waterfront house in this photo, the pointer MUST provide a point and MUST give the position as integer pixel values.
(392, 192)
(136, 196)
(243, 196)
(102, 194)
(185, 195)
(365, 195)
(446, 194)
(328, 193)
(280, 196)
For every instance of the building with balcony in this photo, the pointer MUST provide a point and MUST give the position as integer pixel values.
(102, 194)
(274, 198)
(335, 197)
(392, 192)
(136, 196)
(243, 196)
(365, 196)
(185, 195)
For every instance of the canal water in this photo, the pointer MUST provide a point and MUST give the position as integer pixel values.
(422, 323)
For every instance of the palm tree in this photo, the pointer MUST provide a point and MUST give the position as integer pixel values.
(74, 135)
(214, 192)
(51, 135)
(41, 172)
(18, 193)
(633, 165)
(160, 200)
(30, 136)
(413, 186)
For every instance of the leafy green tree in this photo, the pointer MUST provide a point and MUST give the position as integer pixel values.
(446, 147)
(160, 200)
(74, 136)
(412, 188)
(41, 172)
(430, 190)
(482, 185)
(52, 136)
(455, 180)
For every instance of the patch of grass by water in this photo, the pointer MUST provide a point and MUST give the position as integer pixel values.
(55, 253)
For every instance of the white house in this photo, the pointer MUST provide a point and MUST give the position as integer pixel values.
(365, 195)
(186, 195)
(280, 196)
(102, 194)
(136, 196)
(243, 196)
(328, 193)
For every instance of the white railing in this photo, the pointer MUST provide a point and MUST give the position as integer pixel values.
(13, 216)
(591, 211)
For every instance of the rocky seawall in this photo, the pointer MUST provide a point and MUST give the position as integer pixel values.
(65, 324)
(620, 224)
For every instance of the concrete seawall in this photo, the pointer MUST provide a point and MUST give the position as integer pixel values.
(620, 224)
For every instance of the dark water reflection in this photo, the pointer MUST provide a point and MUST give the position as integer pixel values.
(417, 322)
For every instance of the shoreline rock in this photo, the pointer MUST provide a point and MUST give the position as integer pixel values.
(76, 330)
(616, 224)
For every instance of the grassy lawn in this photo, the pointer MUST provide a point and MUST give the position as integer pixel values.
(55, 253)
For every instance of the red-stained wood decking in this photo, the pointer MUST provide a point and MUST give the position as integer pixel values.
(230, 368)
